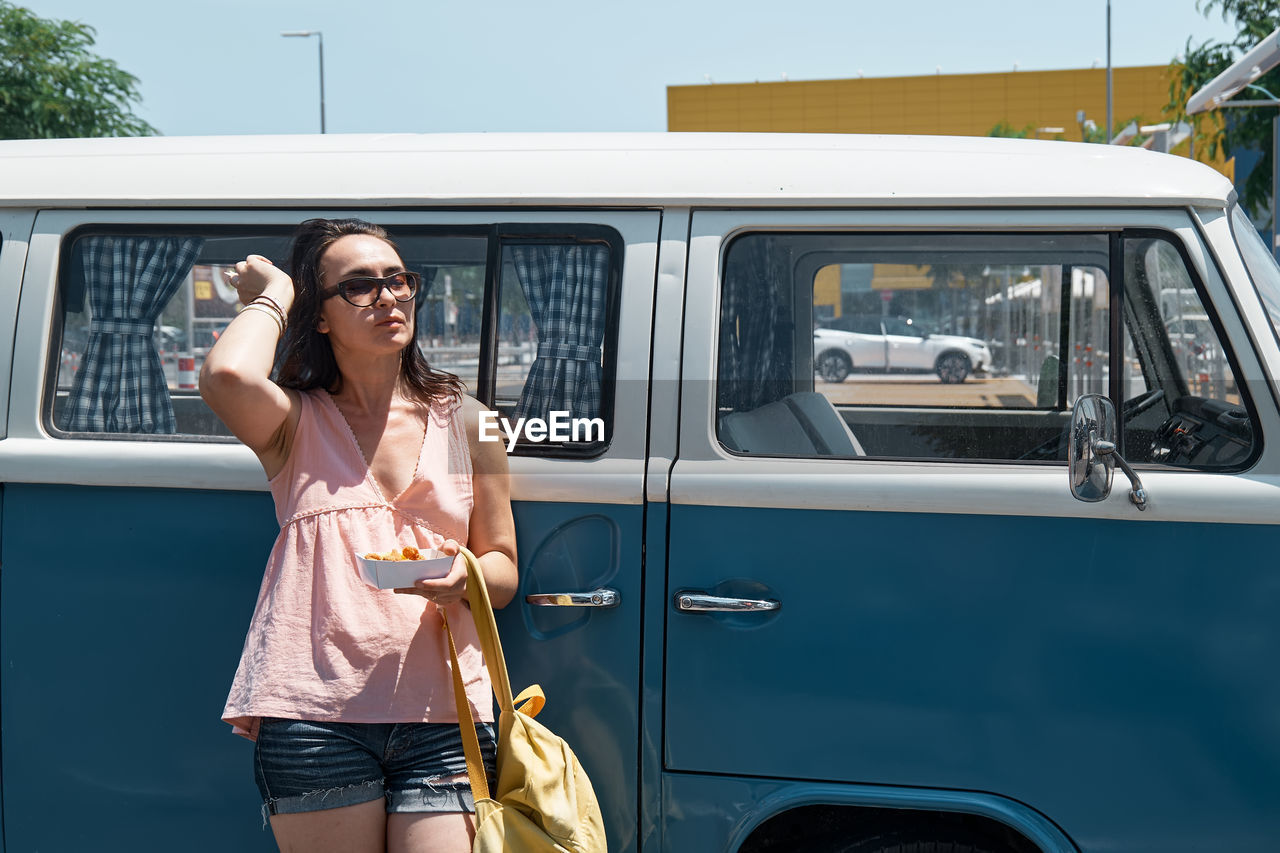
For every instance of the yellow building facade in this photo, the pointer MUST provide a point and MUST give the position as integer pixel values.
(940, 104)
(946, 104)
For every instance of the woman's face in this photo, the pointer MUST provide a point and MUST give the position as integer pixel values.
(385, 326)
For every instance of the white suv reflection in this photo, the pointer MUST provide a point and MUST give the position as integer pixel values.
(865, 342)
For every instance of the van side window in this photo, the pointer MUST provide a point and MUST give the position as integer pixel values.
(1183, 405)
(139, 312)
(967, 347)
(555, 306)
(140, 309)
(449, 311)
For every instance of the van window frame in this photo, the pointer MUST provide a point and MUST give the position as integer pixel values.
(555, 234)
(1233, 211)
(497, 235)
(1117, 239)
(58, 321)
(1233, 360)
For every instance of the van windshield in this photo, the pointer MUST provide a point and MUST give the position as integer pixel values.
(1261, 264)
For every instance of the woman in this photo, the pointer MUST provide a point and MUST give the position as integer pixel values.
(346, 688)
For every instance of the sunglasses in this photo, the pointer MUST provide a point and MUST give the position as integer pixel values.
(364, 291)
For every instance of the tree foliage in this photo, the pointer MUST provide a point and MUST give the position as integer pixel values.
(1235, 128)
(1091, 132)
(52, 85)
(1008, 131)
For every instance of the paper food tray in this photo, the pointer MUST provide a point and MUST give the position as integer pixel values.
(399, 574)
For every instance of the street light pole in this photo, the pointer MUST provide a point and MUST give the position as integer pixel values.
(1110, 119)
(320, 37)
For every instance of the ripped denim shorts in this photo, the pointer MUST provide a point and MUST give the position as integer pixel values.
(306, 766)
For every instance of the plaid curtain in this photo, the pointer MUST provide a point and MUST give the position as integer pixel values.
(566, 288)
(120, 386)
(756, 363)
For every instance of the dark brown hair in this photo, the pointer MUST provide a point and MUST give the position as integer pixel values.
(306, 357)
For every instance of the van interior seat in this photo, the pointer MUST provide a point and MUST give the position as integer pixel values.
(801, 424)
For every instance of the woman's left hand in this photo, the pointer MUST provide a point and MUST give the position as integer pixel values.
(449, 589)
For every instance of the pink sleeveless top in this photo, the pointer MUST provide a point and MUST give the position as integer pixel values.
(323, 644)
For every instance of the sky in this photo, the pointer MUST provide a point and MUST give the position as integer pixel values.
(221, 66)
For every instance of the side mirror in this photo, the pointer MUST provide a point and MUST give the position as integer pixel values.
(1093, 422)
(1091, 452)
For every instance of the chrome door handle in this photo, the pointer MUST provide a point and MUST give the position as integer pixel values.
(693, 601)
(603, 597)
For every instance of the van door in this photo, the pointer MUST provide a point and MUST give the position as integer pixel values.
(574, 626)
(928, 607)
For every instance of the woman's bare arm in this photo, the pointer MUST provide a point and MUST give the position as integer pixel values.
(235, 380)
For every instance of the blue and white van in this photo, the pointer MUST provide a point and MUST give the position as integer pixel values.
(1036, 610)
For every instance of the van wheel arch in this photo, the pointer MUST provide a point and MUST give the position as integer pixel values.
(862, 829)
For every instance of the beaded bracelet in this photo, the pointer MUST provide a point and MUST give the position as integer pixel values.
(263, 299)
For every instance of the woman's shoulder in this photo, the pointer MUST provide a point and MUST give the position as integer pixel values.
(304, 402)
(470, 407)
(488, 454)
(447, 406)
(462, 409)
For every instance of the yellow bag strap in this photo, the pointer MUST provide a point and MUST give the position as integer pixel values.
(531, 700)
(487, 629)
(470, 743)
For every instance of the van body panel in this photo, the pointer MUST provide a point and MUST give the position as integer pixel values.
(970, 648)
(1007, 490)
(622, 169)
(15, 234)
(233, 467)
(586, 659)
(122, 624)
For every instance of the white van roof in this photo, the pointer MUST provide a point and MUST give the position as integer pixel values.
(567, 169)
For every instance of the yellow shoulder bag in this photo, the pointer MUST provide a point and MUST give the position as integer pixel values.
(544, 800)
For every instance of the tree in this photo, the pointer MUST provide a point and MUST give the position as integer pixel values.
(1008, 131)
(1091, 132)
(53, 86)
(1234, 128)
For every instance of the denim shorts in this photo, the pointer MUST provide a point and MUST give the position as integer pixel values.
(306, 766)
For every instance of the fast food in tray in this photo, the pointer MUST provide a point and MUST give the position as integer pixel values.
(400, 567)
(396, 555)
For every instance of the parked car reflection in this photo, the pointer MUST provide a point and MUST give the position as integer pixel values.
(861, 342)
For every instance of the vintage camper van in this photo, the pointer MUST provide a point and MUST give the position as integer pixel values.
(1032, 611)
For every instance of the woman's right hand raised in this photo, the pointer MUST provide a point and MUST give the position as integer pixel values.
(254, 275)
(235, 380)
